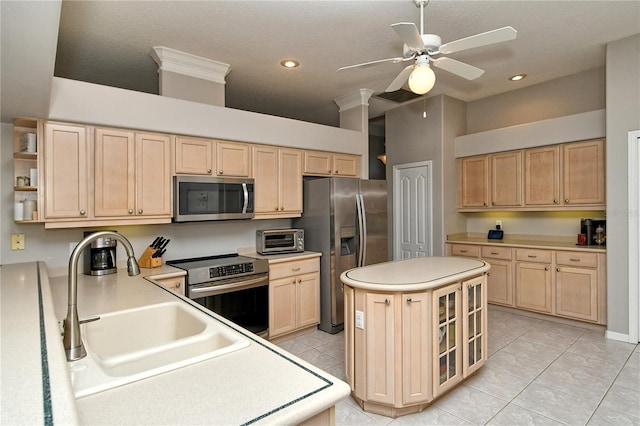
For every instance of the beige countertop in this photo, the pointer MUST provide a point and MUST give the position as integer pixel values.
(420, 273)
(525, 241)
(259, 384)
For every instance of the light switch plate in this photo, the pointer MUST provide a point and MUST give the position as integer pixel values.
(17, 241)
(360, 320)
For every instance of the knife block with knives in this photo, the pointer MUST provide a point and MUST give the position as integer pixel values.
(152, 255)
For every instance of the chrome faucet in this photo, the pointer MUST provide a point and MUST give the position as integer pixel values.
(73, 346)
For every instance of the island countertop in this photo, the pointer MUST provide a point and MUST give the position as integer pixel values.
(415, 274)
(260, 384)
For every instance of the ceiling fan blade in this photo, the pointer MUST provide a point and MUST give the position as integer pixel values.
(458, 68)
(399, 81)
(482, 39)
(369, 64)
(409, 34)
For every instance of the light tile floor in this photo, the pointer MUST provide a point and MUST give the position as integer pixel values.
(538, 372)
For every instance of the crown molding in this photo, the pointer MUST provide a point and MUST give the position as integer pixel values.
(355, 99)
(191, 65)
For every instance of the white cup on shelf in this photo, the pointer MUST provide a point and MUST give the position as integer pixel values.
(33, 175)
(18, 211)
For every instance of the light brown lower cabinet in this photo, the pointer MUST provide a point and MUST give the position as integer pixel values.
(175, 284)
(563, 283)
(409, 348)
(294, 296)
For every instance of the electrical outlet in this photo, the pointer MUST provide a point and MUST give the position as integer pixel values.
(498, 224)
(17, 241)
(360, 320)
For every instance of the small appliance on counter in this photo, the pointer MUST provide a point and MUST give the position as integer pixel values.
(100, 259)
(592, 232)
(277, 241)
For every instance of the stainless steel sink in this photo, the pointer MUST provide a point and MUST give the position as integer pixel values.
(134, 344)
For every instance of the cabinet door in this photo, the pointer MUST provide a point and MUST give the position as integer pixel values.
(447, 355)
(153, 175)
(473, 182)
(317, 163)
(265, 175)
(290, 181)
(193, 156)
(349, 336)
(282, 306)
(380, 348)
(232, 159)
(542, 176)
(506, 179)
(500, 282)
(533, 286)
(577, 293)
(66, 154)
(346, 165)
(308, 300)
(416, 348)
(474, 328)
(115, 172)
(583, 172)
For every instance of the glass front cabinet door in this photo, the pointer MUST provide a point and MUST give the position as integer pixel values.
(447, 338)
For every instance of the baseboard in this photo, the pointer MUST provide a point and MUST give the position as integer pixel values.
(620, 337)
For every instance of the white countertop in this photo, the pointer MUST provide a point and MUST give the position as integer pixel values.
(260, 384)
(524, 241)
(278, 258)
(420, 273)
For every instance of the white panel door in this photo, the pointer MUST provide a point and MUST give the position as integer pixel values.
(412, 210)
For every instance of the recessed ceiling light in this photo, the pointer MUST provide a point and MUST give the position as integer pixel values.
(290, 63)
(517, 77)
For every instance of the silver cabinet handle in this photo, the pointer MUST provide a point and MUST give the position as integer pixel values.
(295, 269)
(178, 284)
(495, 253)
(387, 301)
(219, 172)
(557, 269)
(573, 259)
(555, 201)
(546, 268)
(139, 211)
(532, 256)
(566, 200)
(408, 300)
(208, 170)
(82, 212)
(130, 211)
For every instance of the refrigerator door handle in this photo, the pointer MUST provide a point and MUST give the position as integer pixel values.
(362, 234)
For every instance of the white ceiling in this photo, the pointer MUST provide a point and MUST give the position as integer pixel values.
(109, 42)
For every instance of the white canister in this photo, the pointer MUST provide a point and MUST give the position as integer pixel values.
(28, 142)
(33, 175)
(18, 211)
(29, 208)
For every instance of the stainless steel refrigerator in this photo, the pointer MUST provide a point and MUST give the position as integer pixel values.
(346, 220)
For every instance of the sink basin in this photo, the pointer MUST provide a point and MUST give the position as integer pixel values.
(134, 344)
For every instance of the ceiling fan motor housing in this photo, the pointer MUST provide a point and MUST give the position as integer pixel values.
(431, 42)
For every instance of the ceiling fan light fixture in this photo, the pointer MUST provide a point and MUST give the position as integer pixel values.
(290, 63)
(422, 79)
(517, 77)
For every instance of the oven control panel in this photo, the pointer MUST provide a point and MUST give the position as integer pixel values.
(227, 270)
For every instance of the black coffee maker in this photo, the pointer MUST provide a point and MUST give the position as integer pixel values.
(595, 230)
(100, 256)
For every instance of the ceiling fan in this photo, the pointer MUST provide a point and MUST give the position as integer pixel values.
(422, 48)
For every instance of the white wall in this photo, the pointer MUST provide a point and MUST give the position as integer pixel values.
(623, 116)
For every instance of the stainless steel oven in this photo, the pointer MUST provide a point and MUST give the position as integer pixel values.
(234, 287)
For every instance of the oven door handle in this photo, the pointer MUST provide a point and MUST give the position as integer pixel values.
(223, 288)
(245, 192)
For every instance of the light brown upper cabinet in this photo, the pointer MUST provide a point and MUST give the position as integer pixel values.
(506, 179)
(233, 159)
(542, 176)
(66, 153)
(193, 156)
(556, 177)
(132, 174)
(583, 173)
(320, 163)
(278, 181)
(473, 182)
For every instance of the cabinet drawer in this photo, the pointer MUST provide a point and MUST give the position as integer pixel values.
(532, 255)
(297, 267)
(496, 252)
(465, 250)
(576, 258)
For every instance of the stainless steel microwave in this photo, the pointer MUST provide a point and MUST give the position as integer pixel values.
(274, 241)
(202, 198)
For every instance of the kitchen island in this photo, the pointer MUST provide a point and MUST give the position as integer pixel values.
(414, 329)
(258, 384)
